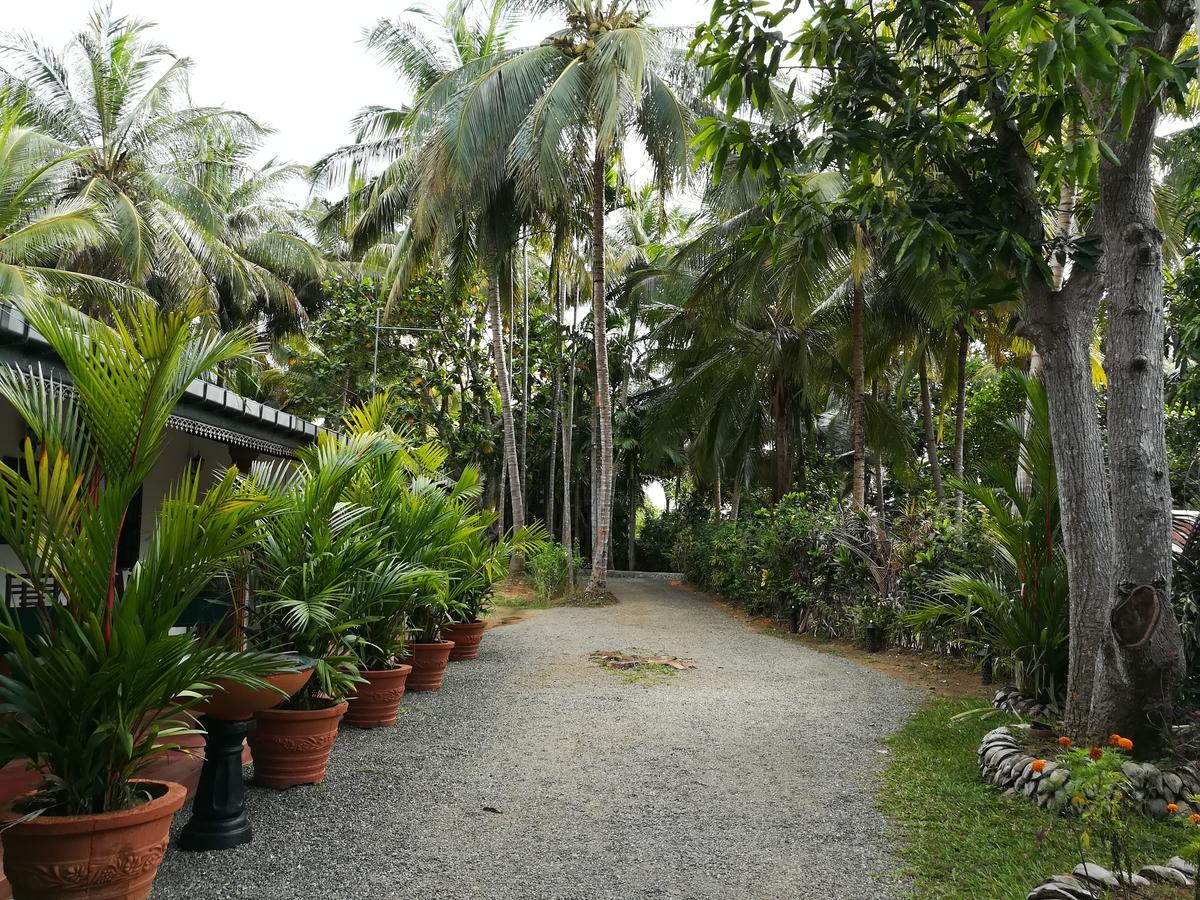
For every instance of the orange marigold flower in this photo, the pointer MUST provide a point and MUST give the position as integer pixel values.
(1125, 744)
(1172, 807)
(1038, 765)
(1064, 741)
(1194, 818)
(1114, 740)
(1095, 753)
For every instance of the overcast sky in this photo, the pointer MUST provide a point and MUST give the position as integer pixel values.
(299, 67)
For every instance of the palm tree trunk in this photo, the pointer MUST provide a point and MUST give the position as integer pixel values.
(517, 564)
(603, 391)
(524, 368)
(880, 504)
(960, 418)
(858, 477)
(594, 460)
(779, 414)
(568, 428)
(931, 447)
(556, 406)
(635, 502)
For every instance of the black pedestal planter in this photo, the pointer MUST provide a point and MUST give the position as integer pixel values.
(218, 819)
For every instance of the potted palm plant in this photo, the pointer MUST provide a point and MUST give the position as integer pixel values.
(315, 547)
(473, 567)
(100, 683)
(380, 603)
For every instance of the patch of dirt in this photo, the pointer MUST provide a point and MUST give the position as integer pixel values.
(501, 615)
(940, 676)
(640, 666)
(591, 597)
(616, 659)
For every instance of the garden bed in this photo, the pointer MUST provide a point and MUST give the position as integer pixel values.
(958, 837)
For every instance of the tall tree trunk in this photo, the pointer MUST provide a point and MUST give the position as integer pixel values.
(1141, 662)
(717, 498)
(960, 417)
(858, 475)
(779, 411)
(801, 465)
(524, 468)
(594, 461)
(556, 407)
(517, 564)
(880, 500)
(1064, 219)
(735, 498)
(603, 391)
(931, 445)
(568, 427)
(635, 503)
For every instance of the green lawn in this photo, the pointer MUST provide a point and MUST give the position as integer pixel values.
(962, 839)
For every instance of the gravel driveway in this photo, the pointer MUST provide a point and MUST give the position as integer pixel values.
(536, 774)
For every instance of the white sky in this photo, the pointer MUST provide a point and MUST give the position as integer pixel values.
(299, 67)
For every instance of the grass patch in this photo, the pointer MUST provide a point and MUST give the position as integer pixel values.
(962, 838)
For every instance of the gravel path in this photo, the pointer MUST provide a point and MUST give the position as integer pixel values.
(535, 774)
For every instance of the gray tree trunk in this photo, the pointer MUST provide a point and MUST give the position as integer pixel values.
(599, 577)
(1126, 649)
(1141, 662)
(635, 503)
(524, 467)
(858, 477)
(779, 414)
(960, 417)
(931, 444)
(568, 428)
(556, 406)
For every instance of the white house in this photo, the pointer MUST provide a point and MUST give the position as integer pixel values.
(211, 425)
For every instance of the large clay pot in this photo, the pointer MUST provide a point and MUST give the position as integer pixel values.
(110, 856)
(429, 663)
(292, 746)
(466, 637)
(377, 700)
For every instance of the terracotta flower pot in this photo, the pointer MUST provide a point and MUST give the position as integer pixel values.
(236, 701)
(292, 746)
(429, 663)
(378, 700)
(466, 637)
(110, 856)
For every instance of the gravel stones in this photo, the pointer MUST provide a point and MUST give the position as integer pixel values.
(535, 774)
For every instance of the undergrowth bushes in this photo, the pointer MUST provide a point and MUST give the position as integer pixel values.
(808, 563)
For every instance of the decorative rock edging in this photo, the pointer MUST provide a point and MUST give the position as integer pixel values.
(1004, 763)
(1088, 880)
(1011, 700)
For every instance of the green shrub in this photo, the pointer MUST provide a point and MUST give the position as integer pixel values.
(547, 570)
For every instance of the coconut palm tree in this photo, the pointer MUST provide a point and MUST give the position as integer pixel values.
(117, 101)
(36, 227)
(277, 283)
(603, 79)
(401, 214)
